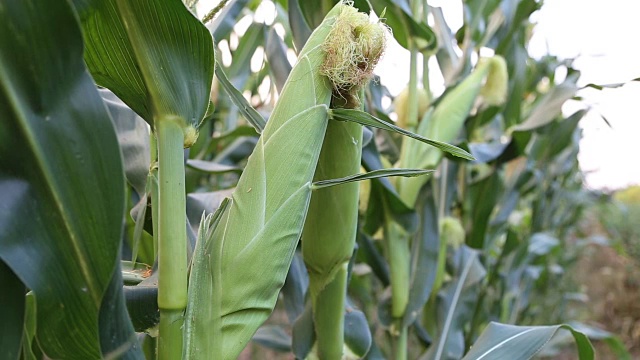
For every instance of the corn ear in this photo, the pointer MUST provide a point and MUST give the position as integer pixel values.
(250, 250)
(352, 50)
(447, 119)
(452, 232)
(494, 91)
(401, 105)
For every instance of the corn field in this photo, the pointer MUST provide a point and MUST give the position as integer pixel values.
(163, 198)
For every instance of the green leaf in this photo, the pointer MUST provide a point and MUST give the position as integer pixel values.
(424, 252)
(357, 335)
(608, 86)
(303, 336)
(239, 150)
(226, 19)
(369, 175)
(117, 337)
(294, 288)
(199, 312)
(273, 337)
(252, 116)
(518, 69)
(373, 258)
(12, 311)
(133, 136)
(62, 181)
(367, 119)
(221, 141)
(444, 123)
(482, 197)
(29, 328)
(470, 272)
(555, 137)
(142, 304)
(404, 27)
(487, 152)
(299, 27)
(204, 202)
(315, 11)
(614, 342)
(153, 54)
(241, 57)
(550, 106)
(276, 53)
(446, 56)
(211, 167)
(501, 341)
(383, 192)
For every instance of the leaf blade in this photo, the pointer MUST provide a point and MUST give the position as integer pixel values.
(522, 342)
(62, 177)
(253, 117)
(145, 60)
(367, 119)
(375, 174)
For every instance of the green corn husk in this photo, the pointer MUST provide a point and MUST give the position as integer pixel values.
(353, 49)
(249, 252)
(401, 104)
(445, 122)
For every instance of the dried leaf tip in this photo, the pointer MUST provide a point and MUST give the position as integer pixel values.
(352, 50)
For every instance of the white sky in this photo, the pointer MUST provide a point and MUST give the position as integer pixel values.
(602, 35)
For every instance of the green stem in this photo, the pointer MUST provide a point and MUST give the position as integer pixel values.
(171, 322)
(328, 316)
(402, 344)
(398, 241)
(329, 234)
(425, 57)
(412, 99)
(399, 259)
(172, 237)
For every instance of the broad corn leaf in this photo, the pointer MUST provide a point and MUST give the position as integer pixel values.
(61, 184)
(153, 54)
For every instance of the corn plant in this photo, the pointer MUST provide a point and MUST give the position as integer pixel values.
(166, 214)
